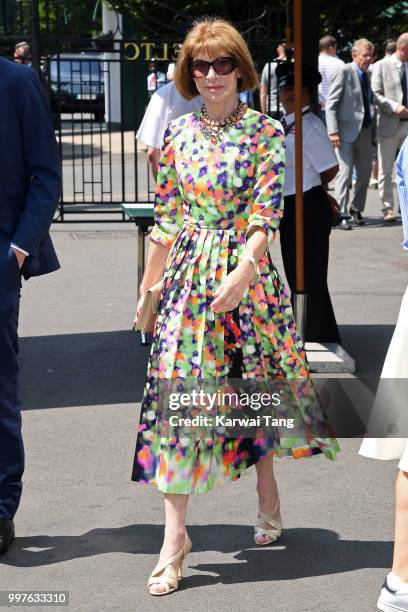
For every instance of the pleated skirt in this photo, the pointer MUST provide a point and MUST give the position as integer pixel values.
(192, 342)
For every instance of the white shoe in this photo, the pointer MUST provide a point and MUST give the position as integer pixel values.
(275, 527)
(166, 575)
(393, 600)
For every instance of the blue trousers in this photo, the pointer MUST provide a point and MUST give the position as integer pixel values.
(11, 440)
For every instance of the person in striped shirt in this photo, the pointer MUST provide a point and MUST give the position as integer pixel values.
(329, 65)
(401, 169)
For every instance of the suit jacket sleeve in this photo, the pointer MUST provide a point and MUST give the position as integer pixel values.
(333, 101)
(377, 85)
(42, 161)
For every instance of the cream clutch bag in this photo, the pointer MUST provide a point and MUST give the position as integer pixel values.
(148, 312)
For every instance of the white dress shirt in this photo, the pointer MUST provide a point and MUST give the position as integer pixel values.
(165, 105)
(17, 248)
(318, 152)
(329, 65)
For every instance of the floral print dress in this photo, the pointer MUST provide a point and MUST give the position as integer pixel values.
(208, 198)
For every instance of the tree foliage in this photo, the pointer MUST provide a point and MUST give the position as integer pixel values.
(376, 20)
(154, 17)
(346, 19)
(57, 17)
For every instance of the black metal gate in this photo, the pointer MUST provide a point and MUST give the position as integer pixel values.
(98, 93)
(95, 105)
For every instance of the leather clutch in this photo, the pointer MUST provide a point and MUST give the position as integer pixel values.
(148, 312)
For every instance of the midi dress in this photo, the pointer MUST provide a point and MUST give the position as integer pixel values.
(209, 196)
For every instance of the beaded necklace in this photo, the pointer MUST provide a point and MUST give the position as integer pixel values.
(213, 129)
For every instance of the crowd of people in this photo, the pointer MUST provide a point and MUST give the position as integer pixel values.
(367, 118)
(364, 106)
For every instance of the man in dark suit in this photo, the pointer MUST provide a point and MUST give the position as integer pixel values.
(30, 185)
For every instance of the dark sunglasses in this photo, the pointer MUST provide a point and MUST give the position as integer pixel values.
(221, 65)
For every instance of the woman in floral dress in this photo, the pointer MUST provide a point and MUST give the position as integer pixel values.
(224, 311)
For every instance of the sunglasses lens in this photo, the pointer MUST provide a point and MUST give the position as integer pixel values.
(224, 65)
(199, 69)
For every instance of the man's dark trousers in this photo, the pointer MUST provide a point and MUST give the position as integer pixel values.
(11, 441)
(30, 186)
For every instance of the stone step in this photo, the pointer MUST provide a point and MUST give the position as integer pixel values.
(329, 358)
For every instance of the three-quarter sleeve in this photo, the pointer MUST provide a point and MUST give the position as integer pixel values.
(168, 204)
(267, 206)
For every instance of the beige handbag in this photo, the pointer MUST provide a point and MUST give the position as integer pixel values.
(148, 312)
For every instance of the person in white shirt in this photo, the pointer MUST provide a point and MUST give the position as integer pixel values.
(269, 90)
(390, 87)
(171, 71)
(319, 168)
(329, 65)
(155, 79)
(165, 105)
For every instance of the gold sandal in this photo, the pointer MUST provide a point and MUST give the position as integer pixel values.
(276, 527)
(171, 576)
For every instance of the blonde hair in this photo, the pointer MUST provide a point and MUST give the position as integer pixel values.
(362, 43)
(213, 37)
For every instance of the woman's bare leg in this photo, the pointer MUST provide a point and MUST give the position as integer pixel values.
(267, 492)
(175, 530)
(400, 562)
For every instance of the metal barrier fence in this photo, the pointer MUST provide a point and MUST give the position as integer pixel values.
(95, 114)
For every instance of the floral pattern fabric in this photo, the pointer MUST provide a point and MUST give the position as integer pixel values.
(208, 198)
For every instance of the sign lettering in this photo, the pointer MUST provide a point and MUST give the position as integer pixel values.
(145, 51)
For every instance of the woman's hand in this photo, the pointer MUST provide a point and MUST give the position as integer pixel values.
(230, 292)
(156, 262)
(139, 305)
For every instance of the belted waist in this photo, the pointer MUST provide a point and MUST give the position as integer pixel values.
(197, 225)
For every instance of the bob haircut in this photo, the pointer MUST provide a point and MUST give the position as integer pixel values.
(212, 38)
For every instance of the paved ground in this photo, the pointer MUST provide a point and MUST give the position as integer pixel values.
(84, 527)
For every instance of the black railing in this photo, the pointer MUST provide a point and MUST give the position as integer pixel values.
(98, 101)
